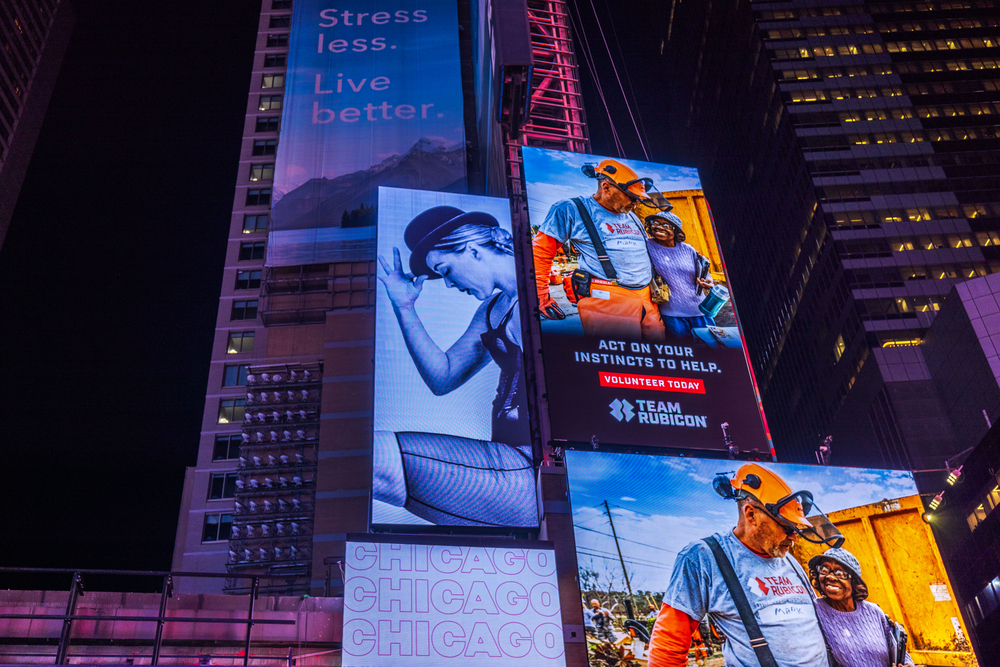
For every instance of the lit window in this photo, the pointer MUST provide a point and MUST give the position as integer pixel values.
(258, 197)
(267, 124)
(262, 172)
(226, 447)
(265, 146)
(273, 81)
(244, 310)
(251, 250)
(838, 348)
(254, 223)
(248, 279)
(269, 103)
(240, 341)
(231, 410)
(217, 527)
(222, 485)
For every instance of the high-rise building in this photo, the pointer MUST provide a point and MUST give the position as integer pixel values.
(284, 464)
(33, 38)
(850, 152)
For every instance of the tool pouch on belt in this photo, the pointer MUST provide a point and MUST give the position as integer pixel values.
(579, 285)
(580, 280)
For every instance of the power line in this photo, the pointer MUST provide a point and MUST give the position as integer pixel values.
(614, 68)
(625, 539)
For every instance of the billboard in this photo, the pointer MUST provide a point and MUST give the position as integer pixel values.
(370, 98)
(417, 604)
(661, 509)
(452, 444)
(653, 354)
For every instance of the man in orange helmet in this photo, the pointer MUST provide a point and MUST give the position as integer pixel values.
(759, 598)
(612, 284)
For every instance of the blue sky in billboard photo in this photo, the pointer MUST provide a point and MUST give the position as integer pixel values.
(555, 176)
(660, 504)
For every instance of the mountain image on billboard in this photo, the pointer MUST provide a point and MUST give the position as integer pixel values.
(640, 337)
(880, 556)
(371, 99)
(452, 443)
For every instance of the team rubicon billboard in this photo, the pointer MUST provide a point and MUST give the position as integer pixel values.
(640, 338)
(371, 98)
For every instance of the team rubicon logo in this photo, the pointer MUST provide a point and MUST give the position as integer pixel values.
(776, 586)
(622, 410)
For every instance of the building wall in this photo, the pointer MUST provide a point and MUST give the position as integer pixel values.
(850, 164)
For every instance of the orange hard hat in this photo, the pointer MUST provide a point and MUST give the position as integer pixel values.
(769, 489)
(624, 176)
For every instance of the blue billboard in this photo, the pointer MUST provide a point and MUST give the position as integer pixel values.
(452, 444)
(371, 98)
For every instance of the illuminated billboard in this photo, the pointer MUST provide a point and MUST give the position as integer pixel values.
(369, 98)
(452, 445)
(640, 339)
(417, 604)
(812, 546)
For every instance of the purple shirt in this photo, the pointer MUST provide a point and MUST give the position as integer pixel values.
(857, 638)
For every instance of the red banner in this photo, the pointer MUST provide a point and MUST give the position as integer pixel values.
(625, 380)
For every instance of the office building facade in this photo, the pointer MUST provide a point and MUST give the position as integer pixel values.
(849, 150)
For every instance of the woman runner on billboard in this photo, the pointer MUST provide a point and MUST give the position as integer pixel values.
(449, 479)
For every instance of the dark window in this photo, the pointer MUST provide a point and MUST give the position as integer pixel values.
(265, 146)
(252, 250)
(226, 447)
(281, 4)
(240, 341)
(217, 527)
(277, 40)
(254, 223)
(262, 172)
(244, 310)
(247, 279)
(267, 124)
(269, 103)
(258, 197)
(231, 410)
(282, 21)
(222, 485)
(235, 376)
(275, 60)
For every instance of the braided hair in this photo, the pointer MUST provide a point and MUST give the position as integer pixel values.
(496, 238)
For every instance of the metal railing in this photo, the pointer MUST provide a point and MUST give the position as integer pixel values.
(76, 588)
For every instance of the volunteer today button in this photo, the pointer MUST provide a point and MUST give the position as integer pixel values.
(626, 380)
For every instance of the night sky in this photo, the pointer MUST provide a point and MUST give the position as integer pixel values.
(109, 280)
(111, 269)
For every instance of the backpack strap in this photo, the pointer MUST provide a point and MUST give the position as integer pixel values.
(595, 239)
(739, 596)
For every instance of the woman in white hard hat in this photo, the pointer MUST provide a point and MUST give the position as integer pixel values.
(858, 631)
(448, 480)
